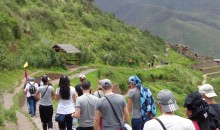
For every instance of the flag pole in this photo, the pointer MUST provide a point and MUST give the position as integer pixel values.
(25, 71)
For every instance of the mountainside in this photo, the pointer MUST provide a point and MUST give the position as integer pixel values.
(195, 23)
(28, 30)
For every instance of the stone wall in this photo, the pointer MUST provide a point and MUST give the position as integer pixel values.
(204, 65)
(211, 70)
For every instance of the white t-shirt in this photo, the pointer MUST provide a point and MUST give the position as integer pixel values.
(66, 106)
(171, 122)
(27, 87)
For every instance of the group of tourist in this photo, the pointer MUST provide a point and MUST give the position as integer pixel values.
(105, 110)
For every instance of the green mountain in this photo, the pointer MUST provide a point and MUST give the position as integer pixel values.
(30, 28)
(195, 23)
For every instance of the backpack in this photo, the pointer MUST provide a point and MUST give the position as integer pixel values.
(32, 88)
(25, 84)
(214, 119)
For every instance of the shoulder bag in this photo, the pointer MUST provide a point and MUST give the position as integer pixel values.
(125, 126)
(161, 123)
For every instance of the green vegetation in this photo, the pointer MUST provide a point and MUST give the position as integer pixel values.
(30, 28)
(194, 23)
(215, 83)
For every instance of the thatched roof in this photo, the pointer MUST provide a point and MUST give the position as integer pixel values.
(68, 48)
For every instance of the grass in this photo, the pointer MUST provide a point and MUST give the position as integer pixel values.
(215, 83)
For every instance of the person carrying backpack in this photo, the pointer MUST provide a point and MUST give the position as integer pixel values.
(140, 103)
(30, 90)
(208, 94)
(197, 111)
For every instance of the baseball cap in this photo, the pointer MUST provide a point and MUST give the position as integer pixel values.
(193, 101)
(82, 76)
(167, 101)
(208, 90)
(106, 82)
(31, 79)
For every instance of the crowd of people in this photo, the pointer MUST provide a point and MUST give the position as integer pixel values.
(105, 110)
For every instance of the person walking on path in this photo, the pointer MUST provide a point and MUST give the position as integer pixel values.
(136, 98)
(66, 95)
(99, 93)
(85, 105)
(46, 102)
(30, 89)
(79, 91)
(168, 120)
(197, 111)
(103, 107)
(208, 94)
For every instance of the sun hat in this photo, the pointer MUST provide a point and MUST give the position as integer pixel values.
(208, 90)
(167, 101)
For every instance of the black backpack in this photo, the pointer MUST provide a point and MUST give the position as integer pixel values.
(32, 88)
(214, 119)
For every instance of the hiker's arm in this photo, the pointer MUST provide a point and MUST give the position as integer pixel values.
(53, 94)
(76, 114)
(130, 103)
(37, 95)
(75, 96)
(57, 96)
(126, 114)
(96, 119)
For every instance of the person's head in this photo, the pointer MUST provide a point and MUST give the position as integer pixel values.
(85, 85)
(134, 81)
(64, 85)
(31, 79)
(193, 104)
(196, 110)
(44, 79)
(106, 84)
(99, 85)
(166, 101)
(82, 77)
(207, 91)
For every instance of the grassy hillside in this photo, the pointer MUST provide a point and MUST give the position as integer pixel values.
(30, 28)
(215, 83)
(194, 23)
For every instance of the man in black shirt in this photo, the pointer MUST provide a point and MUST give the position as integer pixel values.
(79, 91)
(208, 94)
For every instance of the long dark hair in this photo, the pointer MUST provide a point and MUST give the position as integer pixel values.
(199, 108)
(64, 85)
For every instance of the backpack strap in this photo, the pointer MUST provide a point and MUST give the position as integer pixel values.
(214, 112)
(99, 94)
(45, 92)
(161, 123)
(115, 113)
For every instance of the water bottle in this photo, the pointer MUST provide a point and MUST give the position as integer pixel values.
(74, 124)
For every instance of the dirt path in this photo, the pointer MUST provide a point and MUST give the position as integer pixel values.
(23, 122)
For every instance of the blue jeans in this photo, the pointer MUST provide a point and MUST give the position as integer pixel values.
(32, 105)
(137, 124)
